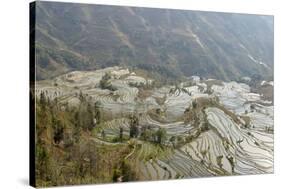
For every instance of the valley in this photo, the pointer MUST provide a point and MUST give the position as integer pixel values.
(198, 127)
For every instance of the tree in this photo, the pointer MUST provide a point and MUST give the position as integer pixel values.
(204, 127)
(128, 173)
(105, 83)
(158, 111)
(124, 172)
(90, 117)
(180, 140)
(103, 135)
(43, 100)
(194, 104)
(97, 112)
(76, 133)
(173, 140)
(81, 96)
(252, 107)
(121, 133)
(186, 110)
(161, 135)
(58, 131)
(146, 133)
(134, 130)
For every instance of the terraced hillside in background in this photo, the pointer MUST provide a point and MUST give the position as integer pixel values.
(115, 125)
(170, 43)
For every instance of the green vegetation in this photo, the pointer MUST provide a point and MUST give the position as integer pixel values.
(160, 136)
(65, 151)
(67, 154)
(134, 126)
(124, 172)
(146, 133)
(105, 83)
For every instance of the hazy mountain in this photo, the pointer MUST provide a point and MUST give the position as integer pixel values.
(173, 43)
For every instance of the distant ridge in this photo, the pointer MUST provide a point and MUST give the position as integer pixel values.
(173, 43)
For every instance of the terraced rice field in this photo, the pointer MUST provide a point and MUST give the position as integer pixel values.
(226, 147)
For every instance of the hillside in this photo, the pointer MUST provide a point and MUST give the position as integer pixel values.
(113, 125)
(173, 43)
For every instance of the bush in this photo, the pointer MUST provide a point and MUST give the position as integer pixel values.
(105, 83)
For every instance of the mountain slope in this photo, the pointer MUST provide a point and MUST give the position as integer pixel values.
(174, 43)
